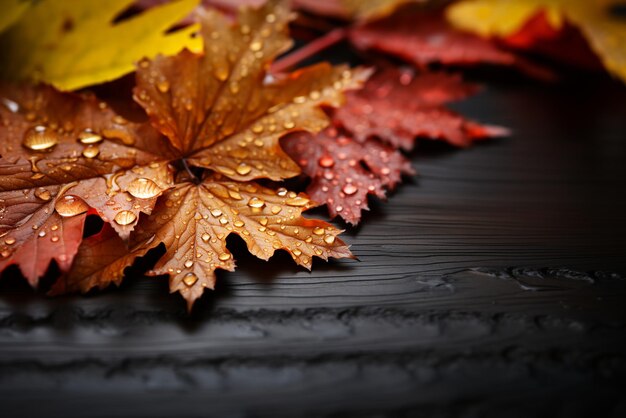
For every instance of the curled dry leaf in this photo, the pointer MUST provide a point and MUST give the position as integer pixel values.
(605, 31)
(61, 154)
(390, 112)
(225, 115)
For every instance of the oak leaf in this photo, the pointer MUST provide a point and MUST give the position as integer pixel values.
(76, 43)
(225, 115)
(605, 32)
(359, 156)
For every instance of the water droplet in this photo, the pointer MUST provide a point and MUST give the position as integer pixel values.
(88, 137)
(289, 124)
(223, 220)
(43, 194)
(282, 192)
(70, 205)
(256, 203)
(206, 237)
(329, 239)
(238, 223)
(91, 151)
(297, 252)
(319, 231)
(143, 188)
(54, 227)
(125, 217)
(5, 253)
(216, 212)
(42, 234)
(224, 257)
(256, 45)
(163, 86)
(243, 169)
(188, 263)
(190, 279)
(221, 72)
(276, 210)
(234, 194)
(9, 241)
(40, 138)
(297, 201)
(326, 161)
(349, 189)
(54, 239)
(263, 221)
(11, 105)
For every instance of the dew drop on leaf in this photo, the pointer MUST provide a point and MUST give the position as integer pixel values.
(43, 194)
(9, 241)
(40, 138)
(329, 239)
(326, 161)
(91, 151)
(206, 237)
(190, 279)
(89, 137)
(143, 188)
(349, 189)
(125, 217)
(224, 257)
(70, 205)
(243, 169)
(297, 201)
(256, 203)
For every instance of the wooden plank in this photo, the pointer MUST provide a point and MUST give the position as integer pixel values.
(490, 286)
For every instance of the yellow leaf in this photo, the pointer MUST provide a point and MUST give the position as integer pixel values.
(76, 43)
(12, 10)
(605, 33)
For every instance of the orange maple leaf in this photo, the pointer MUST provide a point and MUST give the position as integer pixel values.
(224, 115)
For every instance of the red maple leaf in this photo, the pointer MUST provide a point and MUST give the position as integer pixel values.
(359, 156)
(423, 38)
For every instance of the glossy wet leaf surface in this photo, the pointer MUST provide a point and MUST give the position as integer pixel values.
(67, 155)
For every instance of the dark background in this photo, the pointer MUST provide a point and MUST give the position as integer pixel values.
(490, 286)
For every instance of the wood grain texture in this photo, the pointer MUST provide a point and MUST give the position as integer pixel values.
(491, 286)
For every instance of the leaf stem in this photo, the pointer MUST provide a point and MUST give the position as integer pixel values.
(323, 42)
(194, 178)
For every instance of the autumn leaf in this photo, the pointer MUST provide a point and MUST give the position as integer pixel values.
(12, 10)
(359, 155)
(424, 37)
(359, 10)
(605, 32)
(344, 172)
(60, 155)
(76, 43)
(226, 126)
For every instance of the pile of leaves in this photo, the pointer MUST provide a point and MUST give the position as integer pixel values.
(216, 123)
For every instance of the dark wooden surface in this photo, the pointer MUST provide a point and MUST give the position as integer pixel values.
(493, 285)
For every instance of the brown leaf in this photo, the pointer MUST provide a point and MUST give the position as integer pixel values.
(225, 115)
(59, 155)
